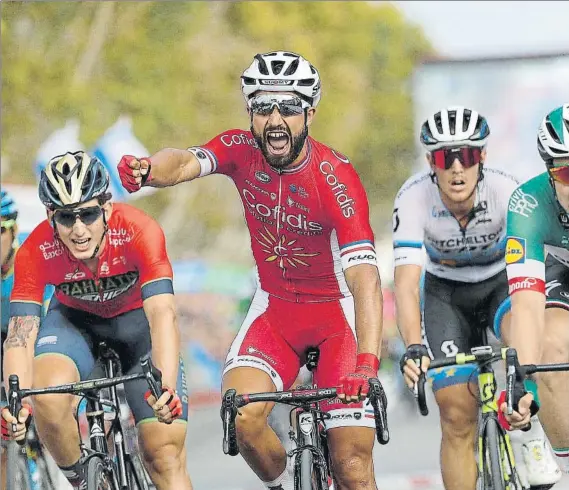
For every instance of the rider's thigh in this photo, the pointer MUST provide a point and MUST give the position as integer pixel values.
(556, 336)
(250, 380)
(49, 370)
(458, 407)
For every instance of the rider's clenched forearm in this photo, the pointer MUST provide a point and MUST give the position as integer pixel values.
(19, 348)
(171, 166)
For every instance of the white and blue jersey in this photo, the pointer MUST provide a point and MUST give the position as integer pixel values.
(421, 221)
(8, 284)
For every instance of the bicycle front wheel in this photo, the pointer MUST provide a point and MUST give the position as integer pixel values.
(492, 453)
(98, 477)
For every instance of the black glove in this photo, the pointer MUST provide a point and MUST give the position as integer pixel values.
(414, 352)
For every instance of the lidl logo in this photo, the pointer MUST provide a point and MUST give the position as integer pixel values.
(516, 251)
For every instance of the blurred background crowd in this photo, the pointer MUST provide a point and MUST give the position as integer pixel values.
(118, 78)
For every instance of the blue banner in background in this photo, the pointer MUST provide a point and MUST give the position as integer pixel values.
(117, 141)
(61, 141)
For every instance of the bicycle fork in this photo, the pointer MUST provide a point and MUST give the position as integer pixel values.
(487, 389)
(96, 417)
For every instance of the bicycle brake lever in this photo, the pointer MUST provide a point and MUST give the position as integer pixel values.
(228, 415)
(153, 376)
(15, 402)
(378, 401)
(511, 362)
(421, 396)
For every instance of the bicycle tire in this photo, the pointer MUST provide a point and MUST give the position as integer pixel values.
(17, 475)
(493, 473)
(97, 475)
(306, 471)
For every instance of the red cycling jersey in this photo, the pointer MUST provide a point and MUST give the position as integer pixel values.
(307, 224)
(133, 266)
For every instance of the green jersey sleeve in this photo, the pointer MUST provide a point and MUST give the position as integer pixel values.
(527, 225)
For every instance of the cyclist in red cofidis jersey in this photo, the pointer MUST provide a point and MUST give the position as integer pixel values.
(318, 281)
(113, 284)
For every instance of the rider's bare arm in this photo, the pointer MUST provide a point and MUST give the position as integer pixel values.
(171, 166)
(407, 278)
(365, 285)
(19, 348)
(527, 325)
(161, 313)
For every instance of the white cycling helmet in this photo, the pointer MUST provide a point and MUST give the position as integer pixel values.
(454, 126)
(282, 71)
(553, 134)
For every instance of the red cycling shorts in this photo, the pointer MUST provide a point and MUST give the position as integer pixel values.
(275, 335)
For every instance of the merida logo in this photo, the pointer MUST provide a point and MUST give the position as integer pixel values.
(340, 190)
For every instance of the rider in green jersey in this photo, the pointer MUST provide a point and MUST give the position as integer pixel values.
(537, 258)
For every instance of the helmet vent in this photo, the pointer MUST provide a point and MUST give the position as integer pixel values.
(466, 120)
(307, 82)
(439, 122)
(552, 132)
(292, 68)
(277, 66)
(263, 68)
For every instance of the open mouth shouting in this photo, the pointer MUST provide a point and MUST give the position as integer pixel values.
(278, 142)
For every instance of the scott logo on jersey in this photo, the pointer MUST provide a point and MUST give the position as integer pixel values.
(515, 250)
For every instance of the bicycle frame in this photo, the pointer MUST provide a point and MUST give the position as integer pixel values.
(96, 421)
(483, 356)
(489, 409)
(91, 389)
(309, 434)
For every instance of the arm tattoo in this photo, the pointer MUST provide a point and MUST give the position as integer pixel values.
(20, 330)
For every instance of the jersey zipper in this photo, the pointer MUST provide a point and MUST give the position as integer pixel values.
(279, 226)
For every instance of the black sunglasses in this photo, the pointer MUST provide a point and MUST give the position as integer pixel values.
(87, 216)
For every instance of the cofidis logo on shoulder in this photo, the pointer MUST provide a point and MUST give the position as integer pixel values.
(515, 250)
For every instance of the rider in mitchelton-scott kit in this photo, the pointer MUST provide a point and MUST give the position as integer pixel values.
(457, 211)
(113, 283)
(318, 282)
(537, 260)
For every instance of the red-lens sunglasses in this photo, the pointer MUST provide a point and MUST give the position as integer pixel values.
(467, 155)
(560, 174)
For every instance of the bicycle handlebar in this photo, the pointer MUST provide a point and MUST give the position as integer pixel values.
(231, 402)
(479, 355)
(150, 372)
(515, 372)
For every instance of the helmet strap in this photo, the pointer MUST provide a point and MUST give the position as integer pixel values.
(96, 251)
